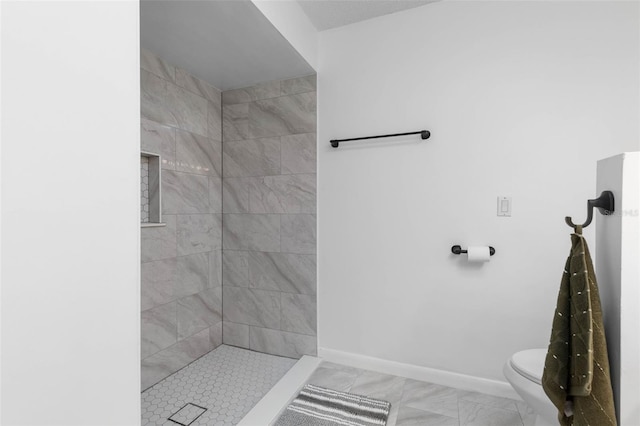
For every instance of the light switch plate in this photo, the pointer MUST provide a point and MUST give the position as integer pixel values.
(504, 206)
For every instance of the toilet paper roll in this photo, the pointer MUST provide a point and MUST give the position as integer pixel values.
(478, 254)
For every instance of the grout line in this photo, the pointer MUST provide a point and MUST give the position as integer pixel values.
(274, 329)
(270, 97)
(242, 250)
(281, 174)
(248, 214)
(280, 232)
(280, 155)
(177, 334)
(260, 176)
(192, 214)
(174, 127)
(222, 163)
(175, 83)
(265, 137)
(281, 315)
(201, 174)
(180, 255)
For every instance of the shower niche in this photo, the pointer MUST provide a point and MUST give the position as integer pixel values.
(150, 198)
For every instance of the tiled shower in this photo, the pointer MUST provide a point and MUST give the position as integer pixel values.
(233, 260)
(269, 223)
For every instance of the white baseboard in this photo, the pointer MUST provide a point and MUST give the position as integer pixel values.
(432, 375)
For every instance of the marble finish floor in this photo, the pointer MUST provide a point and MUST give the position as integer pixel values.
(227, 382)
(426, 404)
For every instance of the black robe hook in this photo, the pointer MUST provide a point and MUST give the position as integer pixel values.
(604, 203)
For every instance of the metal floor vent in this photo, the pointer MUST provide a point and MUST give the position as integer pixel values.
(187, 414)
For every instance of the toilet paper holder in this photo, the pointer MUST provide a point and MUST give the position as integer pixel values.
(458, 250)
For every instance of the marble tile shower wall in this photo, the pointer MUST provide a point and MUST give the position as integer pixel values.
(181, 300)
(269, 217)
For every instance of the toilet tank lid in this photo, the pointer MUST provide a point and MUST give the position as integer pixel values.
(530, 364)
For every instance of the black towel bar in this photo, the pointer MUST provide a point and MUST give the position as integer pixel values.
(424, 134)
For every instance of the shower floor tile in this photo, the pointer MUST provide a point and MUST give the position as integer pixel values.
(227, 382)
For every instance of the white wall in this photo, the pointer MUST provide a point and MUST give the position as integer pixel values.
(522, 99)
(70, 224)
(618, 238)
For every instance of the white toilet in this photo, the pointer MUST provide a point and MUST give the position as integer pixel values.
(524, 371)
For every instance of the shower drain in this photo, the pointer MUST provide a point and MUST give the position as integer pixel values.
(187, 414)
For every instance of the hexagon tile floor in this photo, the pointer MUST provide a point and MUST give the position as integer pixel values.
(227, 382)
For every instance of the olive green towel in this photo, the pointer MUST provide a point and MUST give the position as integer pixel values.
(576, 371)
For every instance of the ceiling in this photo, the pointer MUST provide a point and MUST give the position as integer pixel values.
(229, 44)
(327, 14)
